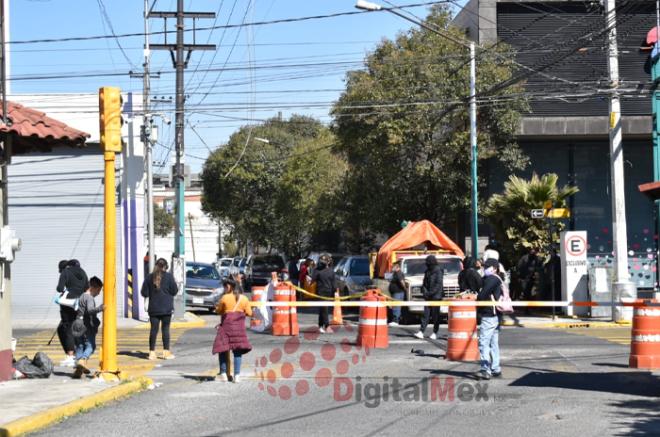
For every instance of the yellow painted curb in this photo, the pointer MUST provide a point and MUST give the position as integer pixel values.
(564, 325)
(46, 418)
(198, 322)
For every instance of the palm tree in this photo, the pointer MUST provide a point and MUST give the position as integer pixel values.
(510, 214)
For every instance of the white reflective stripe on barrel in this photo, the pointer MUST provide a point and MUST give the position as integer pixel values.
(283, 292)
(648, 338)
(373, 322)
(648, 312)
(463, 314)
(285, 311)
(461, 335)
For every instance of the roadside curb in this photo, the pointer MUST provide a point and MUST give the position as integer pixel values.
(568, 325)
(193, 321)
(45, 418)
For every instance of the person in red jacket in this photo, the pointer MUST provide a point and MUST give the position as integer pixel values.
(233, 307)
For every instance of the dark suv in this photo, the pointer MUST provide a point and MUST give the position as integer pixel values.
(259, 268)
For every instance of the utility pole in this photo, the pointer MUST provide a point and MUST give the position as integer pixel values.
(147, 122)
(473, 147)
(180, 63)
(622, 287)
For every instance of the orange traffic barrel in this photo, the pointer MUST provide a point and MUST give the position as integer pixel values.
(645, 345)
(257, 294)
(285, 318)
(372, 330)
(337, 317)
(462, 340)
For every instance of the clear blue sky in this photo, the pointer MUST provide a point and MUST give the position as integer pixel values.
(218, 103)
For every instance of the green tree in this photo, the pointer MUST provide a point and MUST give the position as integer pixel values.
(274, 193)
(403, 125)
(163, 222)
(510, 214)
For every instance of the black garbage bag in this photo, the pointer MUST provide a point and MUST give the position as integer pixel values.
(40, 366)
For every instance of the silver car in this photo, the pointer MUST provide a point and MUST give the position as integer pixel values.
(352, 274)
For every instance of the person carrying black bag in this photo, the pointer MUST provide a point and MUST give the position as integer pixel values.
(432, 289)
(73, 280)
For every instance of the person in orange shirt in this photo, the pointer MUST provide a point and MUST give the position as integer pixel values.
(233, 307)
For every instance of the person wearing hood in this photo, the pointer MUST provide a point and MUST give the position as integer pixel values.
(326, 285)
(74, 281)
(469, 278)
(489, 349)
(432, 289)
(160, 287)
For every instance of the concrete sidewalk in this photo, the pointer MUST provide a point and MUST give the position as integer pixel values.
(30, 404)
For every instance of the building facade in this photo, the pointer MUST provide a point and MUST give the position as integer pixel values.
(563, 45)
(56, 207)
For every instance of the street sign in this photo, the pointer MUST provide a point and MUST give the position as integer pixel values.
(574, 270)
(538, 213)
(558, 213)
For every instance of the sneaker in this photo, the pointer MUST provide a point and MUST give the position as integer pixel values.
(482, 374)
(236, 379)
(393, 324)
(497, 374)
(433, 336)
(420, 335)
(322, 331)
(221, 377)
(167, 355)
(329, 330)
(69, 361)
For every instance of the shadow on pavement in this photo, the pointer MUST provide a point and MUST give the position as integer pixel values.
(199, 378)
(640, 416)
(448, 372)
(134, 354)
(626, 383)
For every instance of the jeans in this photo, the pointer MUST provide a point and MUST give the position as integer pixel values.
(237, 362)
(396, 311)
(323, 317)
(489, 348)
(155, 322)
(68, 342)
(85, 346)
(433, 314)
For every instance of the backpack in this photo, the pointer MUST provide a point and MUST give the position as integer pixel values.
(503, 304)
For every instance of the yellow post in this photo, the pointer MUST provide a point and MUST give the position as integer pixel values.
(109, 353)
(110, 122)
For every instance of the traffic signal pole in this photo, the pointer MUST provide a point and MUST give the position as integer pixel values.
(111, 142)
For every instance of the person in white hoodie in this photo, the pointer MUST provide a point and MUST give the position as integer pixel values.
(263, 313)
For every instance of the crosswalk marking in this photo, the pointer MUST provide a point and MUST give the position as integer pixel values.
(618, 335)
(132, 348)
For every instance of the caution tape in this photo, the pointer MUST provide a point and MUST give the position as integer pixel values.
(307, 293)
(454, 303)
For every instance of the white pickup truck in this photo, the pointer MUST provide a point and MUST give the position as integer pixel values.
(413, 268)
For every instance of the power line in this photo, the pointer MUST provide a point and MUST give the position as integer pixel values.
(228, 26)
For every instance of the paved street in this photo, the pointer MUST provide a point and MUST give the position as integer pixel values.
(555, 383)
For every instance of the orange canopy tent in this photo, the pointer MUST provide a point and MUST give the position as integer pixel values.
(415, 234)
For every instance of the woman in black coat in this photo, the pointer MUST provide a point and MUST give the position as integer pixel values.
(160, 287)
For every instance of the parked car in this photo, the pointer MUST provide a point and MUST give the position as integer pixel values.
(259, 267)
(238, 263)
(203, 285)
(352, 274)
(223, 266)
